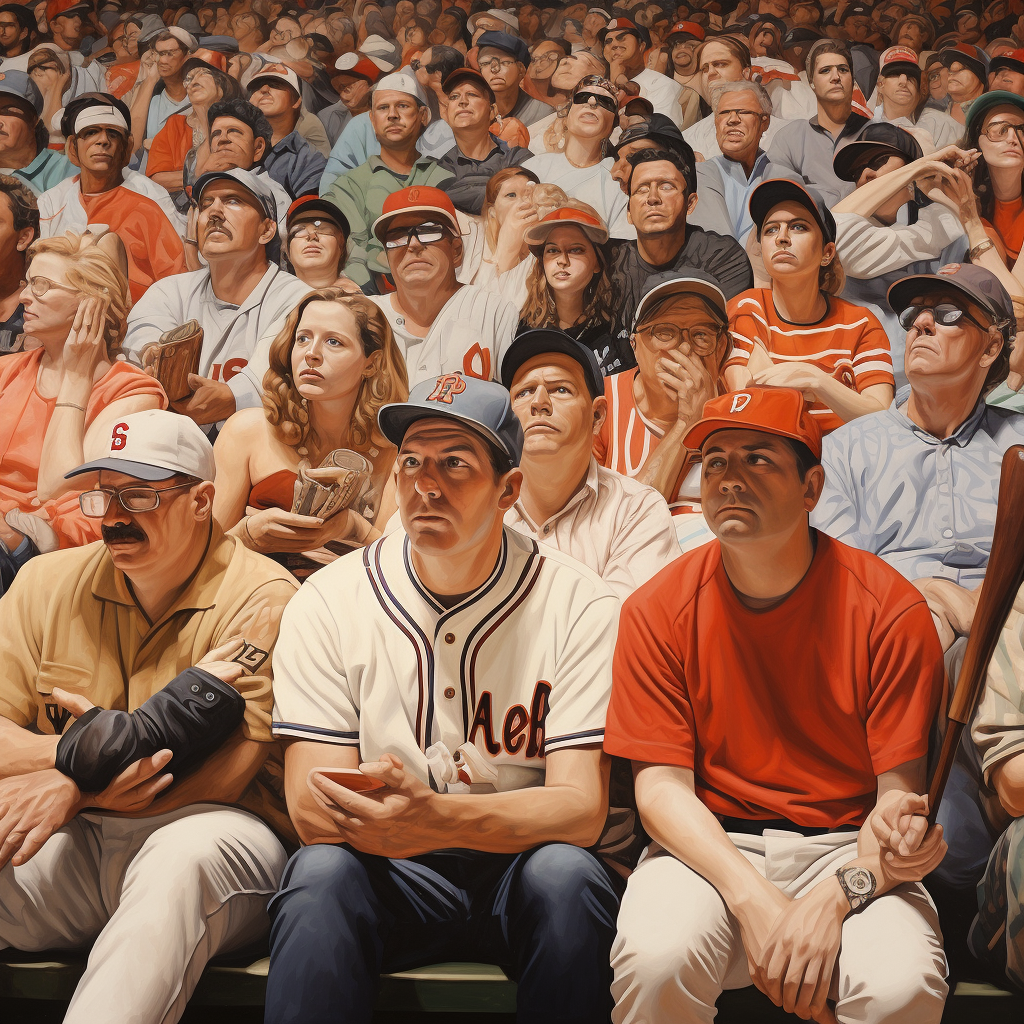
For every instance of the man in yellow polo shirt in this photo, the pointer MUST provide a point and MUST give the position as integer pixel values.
(185, 871)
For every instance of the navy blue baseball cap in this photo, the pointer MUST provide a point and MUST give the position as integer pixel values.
(482, 405)
(509, 43)
(542, 340)
(773, 191)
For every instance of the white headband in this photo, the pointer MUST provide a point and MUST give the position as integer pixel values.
(107, 116)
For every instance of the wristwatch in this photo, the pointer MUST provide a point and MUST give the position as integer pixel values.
(858, 884)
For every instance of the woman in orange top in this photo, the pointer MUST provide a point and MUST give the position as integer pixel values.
(59, 401)
(799, 333)
(332, 367)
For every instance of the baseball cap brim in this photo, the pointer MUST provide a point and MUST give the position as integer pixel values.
(902, 293)
(142, 470)
(770, 193)
(396, 419)
(676, 144)
(682, 286)
(538, 233)
(268, 206)
(541, 342)
(703, 429)
(973, 64)
(899, 67)
(1006, 62)
(270, 76)
(384, 220)
(466, 75)
(853, 152)
(316, 205)
(986, 101)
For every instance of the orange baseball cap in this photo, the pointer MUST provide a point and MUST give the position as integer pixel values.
(590, 224)
(416, 199)
(689, 28)
(781, 411)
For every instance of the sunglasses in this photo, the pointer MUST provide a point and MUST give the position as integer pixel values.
(607, 102)
(425, 234)
(945, 313)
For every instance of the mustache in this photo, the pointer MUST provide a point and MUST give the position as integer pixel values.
(121, 532)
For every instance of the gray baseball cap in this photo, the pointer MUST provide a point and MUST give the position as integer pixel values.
(18, 83)
(482, 405)
(247, 180)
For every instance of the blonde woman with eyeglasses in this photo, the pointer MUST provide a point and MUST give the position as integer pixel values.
(60, 399)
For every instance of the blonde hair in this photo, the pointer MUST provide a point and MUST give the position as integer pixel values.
(389, 382)
(92, 272)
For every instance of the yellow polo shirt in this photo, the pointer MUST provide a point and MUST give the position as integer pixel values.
(70, 621)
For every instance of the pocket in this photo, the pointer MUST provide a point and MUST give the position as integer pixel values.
(73, 679)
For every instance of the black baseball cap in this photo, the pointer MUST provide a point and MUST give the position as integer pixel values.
(876, 137)
(541, 340)
(312, 203)
(659, 128)
(509, 43)
(770, 193)
(979, 285)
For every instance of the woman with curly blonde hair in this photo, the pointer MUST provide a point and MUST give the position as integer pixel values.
(332, 367)
(568, 286)
(60, 399)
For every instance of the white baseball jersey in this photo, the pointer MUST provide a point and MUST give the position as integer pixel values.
(367, 657)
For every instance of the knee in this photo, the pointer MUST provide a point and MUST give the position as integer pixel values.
(647, 956)
(560, 881)
(320, 876)
(901, 995)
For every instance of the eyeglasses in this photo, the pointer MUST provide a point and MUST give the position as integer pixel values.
(39, 286)
(425, 234)
(497, 63)
(739, 113)
(702, 340)
(607, 102)
(314, 229)
(94, 504)
(599, 80)
(194, 74)
(998, 130)
(945, 313)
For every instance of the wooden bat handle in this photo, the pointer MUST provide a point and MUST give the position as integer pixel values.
(1003, 579)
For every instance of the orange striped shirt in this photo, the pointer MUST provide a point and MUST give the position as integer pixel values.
(848, 343)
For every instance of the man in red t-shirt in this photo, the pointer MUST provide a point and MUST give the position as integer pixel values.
(775, 690)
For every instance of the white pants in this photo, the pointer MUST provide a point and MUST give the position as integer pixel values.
(159, 896)
(678, 946)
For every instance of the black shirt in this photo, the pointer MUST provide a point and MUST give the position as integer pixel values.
(11, 337)
(466, 191)
(597, 337)
(718, 255)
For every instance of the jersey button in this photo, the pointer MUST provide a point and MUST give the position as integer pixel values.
(449, 638)
(449, 692)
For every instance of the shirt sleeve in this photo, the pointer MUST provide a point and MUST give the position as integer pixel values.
(748, 327)
(157, 311)
(872, 358)
(347, 197)
(728, 263)
(838, 510)
(907, 679)
(649, 717)
(165, 153)
(313, 698)
(645, 542)
(870, 250)
(21, 642)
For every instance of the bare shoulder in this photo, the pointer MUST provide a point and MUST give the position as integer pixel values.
(244, 425)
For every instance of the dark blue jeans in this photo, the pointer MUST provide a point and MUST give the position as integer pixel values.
(342, 918)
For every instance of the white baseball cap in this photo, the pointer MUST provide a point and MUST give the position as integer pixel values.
(402, 81)
(154, 445)
(507, 17)
(280, 72)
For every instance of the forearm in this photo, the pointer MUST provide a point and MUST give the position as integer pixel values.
(1012, 281)
(140, 109)
(866, 199)
(23, 751)
(170, 180)
(63, 443)
(665, 463)
(846, 403)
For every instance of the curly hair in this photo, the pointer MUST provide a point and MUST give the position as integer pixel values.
(93, 274)
(539, 309)
(286, 409)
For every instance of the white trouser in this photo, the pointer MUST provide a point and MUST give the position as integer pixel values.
(678, 946)
(159, 896)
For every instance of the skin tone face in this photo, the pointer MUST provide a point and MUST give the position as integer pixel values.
(49, 317)
(17, 128)
(469, 106)
(419, 265)
(858, 28)
(284, 31)
(590, 121)
(414, 35)
(327, 357)
(912, 35)
(355, 92)
(1007, 80)
(573, 69)
(545, 60)
(621, 47)
(170, 57)
(739, 124)
(68, 29)
(202, 88)
(231, 222)
(901, 92)
(1007, 151)
(100, 149)
(234, 140)
(953, 351)
(657, 200)
(551, 401)
(962, 83)
(570, 261)
(718, 64)
(46, 75)
(512, 192)
(503, 75)
(621, 167)
(684, 56)
(779, 8)
(315, 252)
(274, 98)
(751, 489)
(832, 81)
(687, 312)
(396, 117)
(11, 32)
(791, 241)
(938, 77)
(446, 489)
(764, 41)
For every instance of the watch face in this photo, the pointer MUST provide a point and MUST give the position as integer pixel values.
(860, 882)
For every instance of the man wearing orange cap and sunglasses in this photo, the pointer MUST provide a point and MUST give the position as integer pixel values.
(775, 690)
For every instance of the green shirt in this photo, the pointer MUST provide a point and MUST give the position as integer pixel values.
(360, 195)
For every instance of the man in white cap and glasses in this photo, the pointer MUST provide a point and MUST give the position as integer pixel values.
(398, 113)
(135, 700)
(241, 298)
(293, 162)
(105, 191)
(481, 729)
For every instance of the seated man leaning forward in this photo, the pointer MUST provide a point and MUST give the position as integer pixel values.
(775, 690)
(471, 688)
(95, 847)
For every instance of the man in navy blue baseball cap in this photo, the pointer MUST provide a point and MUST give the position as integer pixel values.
(503, 60)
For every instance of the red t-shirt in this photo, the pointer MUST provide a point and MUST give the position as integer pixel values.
(786, 713)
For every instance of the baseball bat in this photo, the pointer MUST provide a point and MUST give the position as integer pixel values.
(1003, 579)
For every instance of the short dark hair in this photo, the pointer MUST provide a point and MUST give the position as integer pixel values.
(825, 46)
(163, 37)
(446, 59)
(22, 202)
(806, 460)
(649, 156)
(247, 113)
(500, 462)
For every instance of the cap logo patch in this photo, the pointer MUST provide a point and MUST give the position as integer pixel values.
(740, 401)
(414, 195)
(448, 385)
(949, 269)
(119, 437)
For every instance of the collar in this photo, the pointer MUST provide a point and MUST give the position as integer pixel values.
(589, 490)
(499, 144)
(375, 164)
(291, 143)
(735, 169)
(961, 437)
(854, 123)
(200, 594)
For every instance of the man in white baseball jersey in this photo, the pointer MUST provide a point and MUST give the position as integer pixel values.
(468, 671)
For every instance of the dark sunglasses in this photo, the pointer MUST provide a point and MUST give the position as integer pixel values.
(602, 101)
(945, 313)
